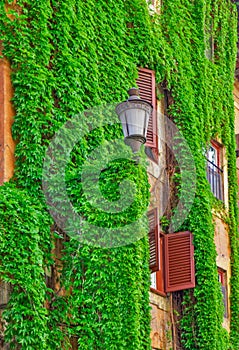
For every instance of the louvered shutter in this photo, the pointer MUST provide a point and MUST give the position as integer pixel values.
(160, 272)
(179, 261)
(153, 240)
(146, 85)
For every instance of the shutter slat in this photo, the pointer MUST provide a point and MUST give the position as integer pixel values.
(179, 261)
(153, 240)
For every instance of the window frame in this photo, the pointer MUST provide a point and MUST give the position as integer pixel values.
(222, 279)
(160, 274)
(214, 171)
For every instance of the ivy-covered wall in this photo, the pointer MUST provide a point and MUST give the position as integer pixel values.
(203, 109)
(70, 55)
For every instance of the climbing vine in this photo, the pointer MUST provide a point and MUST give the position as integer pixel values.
(66, 57)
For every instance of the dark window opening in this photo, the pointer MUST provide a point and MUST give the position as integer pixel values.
(214, 170)
(222, 278)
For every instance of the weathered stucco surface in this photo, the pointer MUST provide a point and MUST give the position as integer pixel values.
(222, 243)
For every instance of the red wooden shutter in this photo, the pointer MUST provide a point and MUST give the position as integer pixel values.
(160, 272)
(179, 261)
(146, 85)
(153, 240)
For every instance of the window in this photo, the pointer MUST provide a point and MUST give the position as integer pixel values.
(146, 85)
(214, 171)
(222, 278)
(211, 32)
(237, 145)
(209, 40)
(153, 6)
(171, 258)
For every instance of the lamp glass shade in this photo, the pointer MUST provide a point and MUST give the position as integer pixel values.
(134, 116)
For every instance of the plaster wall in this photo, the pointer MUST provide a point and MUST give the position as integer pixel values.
(222, 243)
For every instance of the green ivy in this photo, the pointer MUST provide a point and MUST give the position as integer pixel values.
(24, 252)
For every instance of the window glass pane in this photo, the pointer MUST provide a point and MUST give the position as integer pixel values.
(222, 279)
(153, 280)
(214, 171)
(212, 155)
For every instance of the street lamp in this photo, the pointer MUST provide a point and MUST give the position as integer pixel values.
(134, 116)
